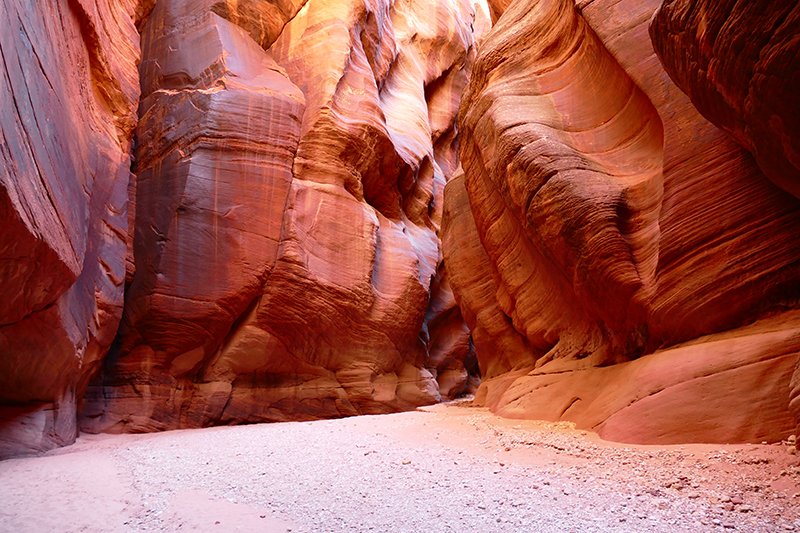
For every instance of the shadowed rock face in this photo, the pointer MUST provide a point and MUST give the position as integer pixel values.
(286, 247)
(498, 7)
(68, 96)
(600, 222)
(262, 19)
(738, 62)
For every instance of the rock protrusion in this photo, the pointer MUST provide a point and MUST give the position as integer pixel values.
(68, 98)
(600, 223)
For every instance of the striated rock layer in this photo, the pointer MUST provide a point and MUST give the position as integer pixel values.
(68, 96)
(738, 62)
(601, 223)
(290, 179)
(608, 255)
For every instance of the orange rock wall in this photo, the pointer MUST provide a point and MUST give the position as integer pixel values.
(289, 195)
(357, 206)
(600, 222)
(738, 63)
(68, 98)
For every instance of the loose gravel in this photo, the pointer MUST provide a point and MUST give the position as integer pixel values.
(446, 468)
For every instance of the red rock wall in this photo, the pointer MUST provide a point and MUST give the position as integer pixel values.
(608, 256)
(738, 61)
(288, 203)
(68, 97)
(601, 222)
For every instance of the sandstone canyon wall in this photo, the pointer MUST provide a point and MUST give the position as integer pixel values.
(738, 62)
(68, 100)
(278, 244)
(289, 194)
(603, 235)
(321, 208)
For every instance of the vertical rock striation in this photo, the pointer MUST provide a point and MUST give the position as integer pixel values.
(288, 207)
(68, 98)
(216, 139)
(599, 222)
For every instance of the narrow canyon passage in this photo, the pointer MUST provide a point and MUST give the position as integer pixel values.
(444, 468)
(221, 212)
(338, 216)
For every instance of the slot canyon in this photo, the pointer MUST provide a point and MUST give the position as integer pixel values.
(447, 265)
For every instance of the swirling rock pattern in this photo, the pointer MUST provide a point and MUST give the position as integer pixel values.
(68, 96)
(286, 247)
(608, 256)
(609, 222)
(738, 62)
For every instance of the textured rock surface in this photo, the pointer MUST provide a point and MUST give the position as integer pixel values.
(286, 230)
(794, 394)
(68, 97)
(498, 7)
(601, 219)
(738, 62)
(612, 258)
(262, 19)
(727, 387)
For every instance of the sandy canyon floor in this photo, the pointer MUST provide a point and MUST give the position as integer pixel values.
(445, 468)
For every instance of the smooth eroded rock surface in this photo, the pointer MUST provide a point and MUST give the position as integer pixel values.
(602, 220)
(68, 96)
(287, 262)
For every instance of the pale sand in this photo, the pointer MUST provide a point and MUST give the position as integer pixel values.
(445, 468)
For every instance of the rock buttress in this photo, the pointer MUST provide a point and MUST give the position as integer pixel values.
(288, 208)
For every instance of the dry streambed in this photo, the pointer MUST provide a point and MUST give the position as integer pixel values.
(445, 468)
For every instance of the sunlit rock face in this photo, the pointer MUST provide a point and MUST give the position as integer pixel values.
(622, 262)
(68, 96)
(290, 176)
(738, 62)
